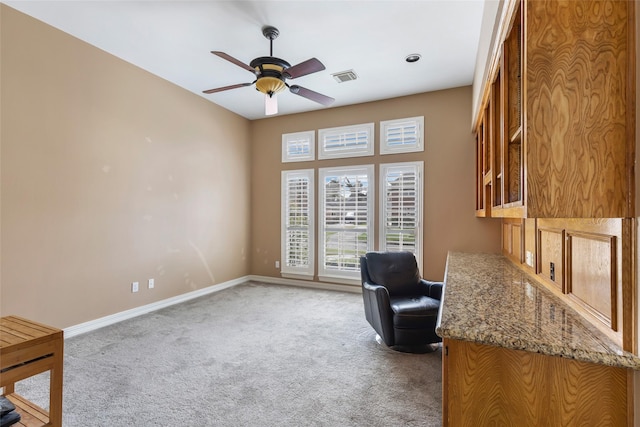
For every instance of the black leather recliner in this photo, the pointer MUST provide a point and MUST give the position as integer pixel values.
(401, 307)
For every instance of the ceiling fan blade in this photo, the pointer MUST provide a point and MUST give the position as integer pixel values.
(220, 89)
(302, 69)
(309, 94)
(233, 60)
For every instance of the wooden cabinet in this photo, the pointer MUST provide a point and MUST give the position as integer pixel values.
(483, 181)
(487, 385)
(588, 263)
(512, 239)
(560, 111)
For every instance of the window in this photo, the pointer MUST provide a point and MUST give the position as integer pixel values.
(346, 220)
(402, 136)
(401, 207)
(346, 141)
(298, 223)
(298, 147)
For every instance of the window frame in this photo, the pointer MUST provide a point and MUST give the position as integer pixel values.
(346, 276)
(385, 169)
(344, 152)
(309, 135)
(387, 148)
(307, 272)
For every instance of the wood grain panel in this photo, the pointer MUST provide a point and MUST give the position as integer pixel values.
(516, 241)
(481, 160)
(493, 386)
(486, 139)
(513, 68)
(514, 171)
(576, 72)
(530, 240)
(627, 284)
(506, 238)
(621, 255)
(551, 250)
(512, 238)
(591, 275)
(497, 142)
(479, 169)
(512, 144)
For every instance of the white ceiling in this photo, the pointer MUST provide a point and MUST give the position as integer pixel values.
(173, 40)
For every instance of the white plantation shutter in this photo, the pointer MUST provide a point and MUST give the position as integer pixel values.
(298, 223)
(298, 147)
(346, 141)
(401, 207)
(402, 136)
(346, 220)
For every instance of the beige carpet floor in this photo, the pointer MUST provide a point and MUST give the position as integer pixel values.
(251, 355)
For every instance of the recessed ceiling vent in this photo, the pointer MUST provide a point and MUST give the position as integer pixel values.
(345, 76)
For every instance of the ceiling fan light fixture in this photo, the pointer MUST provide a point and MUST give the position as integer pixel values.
(270, 104)
(271, 74)
(270, 85)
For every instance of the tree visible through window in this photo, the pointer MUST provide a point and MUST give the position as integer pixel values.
(345, 197)
(346, 232)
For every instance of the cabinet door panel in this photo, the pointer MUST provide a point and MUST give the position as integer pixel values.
(493, 386)
(591, 278)
(577, 68)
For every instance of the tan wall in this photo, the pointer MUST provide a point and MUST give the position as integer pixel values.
(449, 221)
(110, 175)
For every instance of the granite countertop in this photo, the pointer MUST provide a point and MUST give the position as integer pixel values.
(488, 300)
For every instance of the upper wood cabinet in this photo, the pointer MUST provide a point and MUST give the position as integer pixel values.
(560, 113)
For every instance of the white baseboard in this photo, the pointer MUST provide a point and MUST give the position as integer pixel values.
(92, 325)
(307, 284)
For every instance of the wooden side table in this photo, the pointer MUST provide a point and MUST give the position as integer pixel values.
(28, 348)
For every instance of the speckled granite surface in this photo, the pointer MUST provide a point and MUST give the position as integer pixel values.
(488, 300)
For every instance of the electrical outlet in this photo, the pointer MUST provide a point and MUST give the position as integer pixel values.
(152, 283)
(552, 271)
(277, 264)
(134, 287)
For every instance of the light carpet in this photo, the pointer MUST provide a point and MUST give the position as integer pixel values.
(250, 355)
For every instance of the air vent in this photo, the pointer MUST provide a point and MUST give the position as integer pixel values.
(345, 76)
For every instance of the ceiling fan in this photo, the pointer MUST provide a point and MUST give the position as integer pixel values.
(271, 75)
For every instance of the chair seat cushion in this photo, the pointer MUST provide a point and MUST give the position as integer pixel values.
(412, 311)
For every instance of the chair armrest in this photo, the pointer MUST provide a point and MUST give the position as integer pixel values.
(379, 293)
(377, 308)
(434, 289)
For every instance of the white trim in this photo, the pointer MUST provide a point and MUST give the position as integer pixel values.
(323, 174)
(309, 138)
(307, 284)
(298, 276)
(343, 152)
(288, 175)
(417, 122)
(101, 322)
(341, 280)
(92, 325)
(384, 171)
